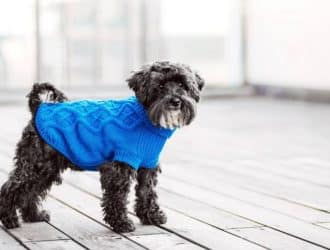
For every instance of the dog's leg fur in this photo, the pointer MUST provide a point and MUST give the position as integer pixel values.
(116, 178)
(37, 167)
(146, 207)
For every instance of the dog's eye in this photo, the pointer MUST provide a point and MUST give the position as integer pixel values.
(183, 86)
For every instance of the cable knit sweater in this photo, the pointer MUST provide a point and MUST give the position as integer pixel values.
(90, 133)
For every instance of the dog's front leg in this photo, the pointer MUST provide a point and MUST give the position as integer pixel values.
(116, 178)
(146, 207)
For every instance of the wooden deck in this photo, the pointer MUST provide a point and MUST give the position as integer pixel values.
(248, 174)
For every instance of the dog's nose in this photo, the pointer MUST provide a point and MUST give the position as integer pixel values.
(175, 102)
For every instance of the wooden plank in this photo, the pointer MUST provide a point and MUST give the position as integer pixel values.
(324, 224)
(41, 234)
(202, 211)
(77, 200)
(53, 245)
(290, 170)
(82, 229)
(39, 231)
(273, 239)
(256, 213)
(285, 168)
(36, 235)
(213, 216)
(313, 215)
(88, 232)
(211, 180)
(8, 242)
(205, 212)
(264, 236)
(181, 225)
(163, 242)
(257, 181)
(282, 206)
(224, 237)
(193, 229)
(90, 206)
(205, 234)
(75, 177)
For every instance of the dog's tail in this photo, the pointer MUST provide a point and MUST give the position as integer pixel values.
(51, 95)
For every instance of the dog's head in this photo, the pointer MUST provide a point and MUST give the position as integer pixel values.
(168, 91)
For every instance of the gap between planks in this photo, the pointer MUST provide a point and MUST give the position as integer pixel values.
(161, 238)
(238, 236)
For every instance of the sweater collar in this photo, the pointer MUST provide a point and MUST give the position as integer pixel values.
(140, 110)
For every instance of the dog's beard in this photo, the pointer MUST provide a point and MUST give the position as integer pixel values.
(161, 114)
(171, 119)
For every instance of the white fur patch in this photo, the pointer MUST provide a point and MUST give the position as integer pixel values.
(162, 121)
(46, 96)
(171, 120)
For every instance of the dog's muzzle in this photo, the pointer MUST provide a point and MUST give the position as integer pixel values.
(173, 112)
(175, 103)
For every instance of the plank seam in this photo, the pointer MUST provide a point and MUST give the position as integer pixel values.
(71, 238)
(184, 236)
(263, 193)
(14, 237)
(219, 228)
(91, 218)
(238, 199)
(276, 229)
(166, 229)
(169, 230)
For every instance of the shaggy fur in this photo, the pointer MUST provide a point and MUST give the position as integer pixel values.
(168, 91)
(116, 179)
(146, 207)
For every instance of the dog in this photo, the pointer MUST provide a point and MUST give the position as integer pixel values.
(168, 94)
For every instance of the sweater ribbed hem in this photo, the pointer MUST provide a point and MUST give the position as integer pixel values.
(127, 157)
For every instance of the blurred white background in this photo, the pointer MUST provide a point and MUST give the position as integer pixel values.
(97, 43)
(288, 43)
(85, 43)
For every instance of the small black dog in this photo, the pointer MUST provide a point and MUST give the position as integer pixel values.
(168, 92)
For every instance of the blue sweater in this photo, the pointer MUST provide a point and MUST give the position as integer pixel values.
(90, 133)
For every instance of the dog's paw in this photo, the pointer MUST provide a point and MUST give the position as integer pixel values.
(42, 215)
(124, 226)
(154, 218)
(10, 222)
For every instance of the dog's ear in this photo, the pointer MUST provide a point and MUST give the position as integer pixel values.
(137, 79)
(138, 82)
(200, 81)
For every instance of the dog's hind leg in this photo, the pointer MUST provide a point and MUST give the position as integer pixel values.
(116, 178)
(30, 210)
(17, 192)
(30, 204)
(8, 215)
(146, 206)
(36, 168)
(49, 174)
